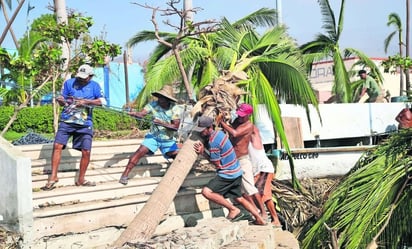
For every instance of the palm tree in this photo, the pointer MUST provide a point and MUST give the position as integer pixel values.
(372, 205)
(395, 20)
(272, 62)
(274, 67)
(326, 46)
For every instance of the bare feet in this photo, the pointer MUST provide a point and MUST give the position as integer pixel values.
(276, 224)
(233, 213)
(265, 216)
(259, 221)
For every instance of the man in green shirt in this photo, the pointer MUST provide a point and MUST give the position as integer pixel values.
(369, 86)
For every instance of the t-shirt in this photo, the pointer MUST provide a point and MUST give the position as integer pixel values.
(372, 87)
(72, 90)
(221, 149)
(166, 115)
(260, 162)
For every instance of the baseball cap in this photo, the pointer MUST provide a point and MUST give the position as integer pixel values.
(203, 123)
(244, 110)
(84, 71)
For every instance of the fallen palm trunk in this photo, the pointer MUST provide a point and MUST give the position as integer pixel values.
(144, 224)
(218, 98)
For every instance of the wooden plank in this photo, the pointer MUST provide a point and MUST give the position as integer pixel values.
(293, 130)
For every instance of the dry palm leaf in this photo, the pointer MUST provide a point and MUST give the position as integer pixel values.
(220, 97)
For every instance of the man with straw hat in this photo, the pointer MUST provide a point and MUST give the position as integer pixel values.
(166, 120)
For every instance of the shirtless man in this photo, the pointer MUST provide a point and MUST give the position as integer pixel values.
(240, 134)
(404, 118)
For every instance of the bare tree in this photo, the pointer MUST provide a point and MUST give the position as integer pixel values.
(184, 29)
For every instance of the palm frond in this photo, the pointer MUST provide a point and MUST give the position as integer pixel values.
(359, 207)
(146, 35)
(341, 86)
(388, 40)
(365, 61)
(328, 18)
(263, 17)
(321, 46)
(341, 18)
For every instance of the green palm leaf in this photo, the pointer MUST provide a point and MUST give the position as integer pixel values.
(359, 207)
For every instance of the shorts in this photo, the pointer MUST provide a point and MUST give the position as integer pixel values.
(82, 136)
(248, 182)
(154, 143)
(229, 188)
(264, 185)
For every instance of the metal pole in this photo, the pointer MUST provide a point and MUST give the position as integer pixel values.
(188, 6)
(126, 76)
(279, 11)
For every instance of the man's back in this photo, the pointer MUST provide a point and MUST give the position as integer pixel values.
(221, 149)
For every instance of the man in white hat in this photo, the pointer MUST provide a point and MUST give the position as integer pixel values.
(163, 130)
(78, 96)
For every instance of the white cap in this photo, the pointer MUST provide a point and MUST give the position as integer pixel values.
(84, 71)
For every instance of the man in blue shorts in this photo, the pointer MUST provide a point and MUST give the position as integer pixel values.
(78, 96)
(163, 130)
(228, 180)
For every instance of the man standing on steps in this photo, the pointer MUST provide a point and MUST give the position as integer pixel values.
(240, 134)
(163, 131)
(78, 96)
(228, 180)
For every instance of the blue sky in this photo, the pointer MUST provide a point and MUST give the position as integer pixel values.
(364, 27)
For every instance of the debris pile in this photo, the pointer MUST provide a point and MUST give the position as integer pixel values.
(32, 138)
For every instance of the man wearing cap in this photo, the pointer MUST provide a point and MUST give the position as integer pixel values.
(78, 96)
(163, 130)
(370, 87)
(228, 180)
(240, 134)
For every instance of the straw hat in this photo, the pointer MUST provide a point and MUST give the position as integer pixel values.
(167, 92)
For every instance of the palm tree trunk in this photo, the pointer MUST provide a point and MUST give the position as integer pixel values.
(407, 79)
(8, 25)
(144, 224)
(13, 35)
(401, 71)
(61, 17)
(183, 72)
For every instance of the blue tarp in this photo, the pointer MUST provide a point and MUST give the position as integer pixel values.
(112, 80)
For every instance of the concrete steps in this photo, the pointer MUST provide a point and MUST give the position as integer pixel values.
(71, 209)
(94, 217)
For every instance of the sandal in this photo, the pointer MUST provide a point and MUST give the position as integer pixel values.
(86, 183)
(124, 180)
(50, 185)
(238, 217)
